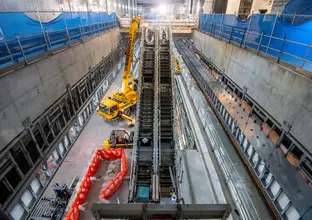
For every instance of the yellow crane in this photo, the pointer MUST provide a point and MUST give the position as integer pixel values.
(120, 104)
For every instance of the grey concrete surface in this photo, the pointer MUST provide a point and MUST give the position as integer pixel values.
(91, 138)
(216, 140)
(210, 192)
(202, 181)
(29, 91)
(283, 93)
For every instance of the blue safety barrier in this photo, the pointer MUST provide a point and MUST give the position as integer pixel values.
(266, 33)
(297, 11)
(23, 38)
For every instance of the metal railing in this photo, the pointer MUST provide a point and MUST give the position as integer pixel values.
(24, 49)
(174, 23)
(268, 34)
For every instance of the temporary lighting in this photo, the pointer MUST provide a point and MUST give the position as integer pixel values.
(162, 9)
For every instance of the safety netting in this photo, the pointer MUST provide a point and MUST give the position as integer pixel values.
(23, 38)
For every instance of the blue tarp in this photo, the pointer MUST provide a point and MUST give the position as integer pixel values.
(260, 29)
(17, 31)
(297, 11)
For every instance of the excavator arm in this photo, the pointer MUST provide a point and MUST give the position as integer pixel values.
(134, 26)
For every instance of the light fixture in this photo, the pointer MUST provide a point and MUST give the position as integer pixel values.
(162, 9)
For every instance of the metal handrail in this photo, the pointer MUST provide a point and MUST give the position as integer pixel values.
(49, 45)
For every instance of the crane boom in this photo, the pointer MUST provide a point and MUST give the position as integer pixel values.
(120, 105)
(134, 26)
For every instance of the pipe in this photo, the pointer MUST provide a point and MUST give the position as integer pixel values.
(172, 178)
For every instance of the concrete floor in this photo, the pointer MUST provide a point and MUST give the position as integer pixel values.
(200, 166)
(76, 162)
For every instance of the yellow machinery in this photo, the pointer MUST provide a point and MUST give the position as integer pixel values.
(119, 139)
(119, 106)
(177, 67)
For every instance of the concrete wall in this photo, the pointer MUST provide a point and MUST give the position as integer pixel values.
(32, 89)
(278, 6)
(261, 5)
(208, 7)
(283, 93)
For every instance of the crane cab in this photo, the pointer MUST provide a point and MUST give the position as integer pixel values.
(108, 108)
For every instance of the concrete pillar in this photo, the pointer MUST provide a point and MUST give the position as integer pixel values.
(136, 7)
(261, 5)
(128, 7)
(106, 5)
(285, 130)
(188, 7)
(232, 6)
(208, 7)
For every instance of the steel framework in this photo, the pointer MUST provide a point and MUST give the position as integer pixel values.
(53, 133)
(161, 211)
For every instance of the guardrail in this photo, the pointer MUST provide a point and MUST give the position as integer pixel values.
(266, 33)
(174, 23)
(36, 39)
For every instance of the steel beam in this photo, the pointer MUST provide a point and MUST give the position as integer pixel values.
(148, 211)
